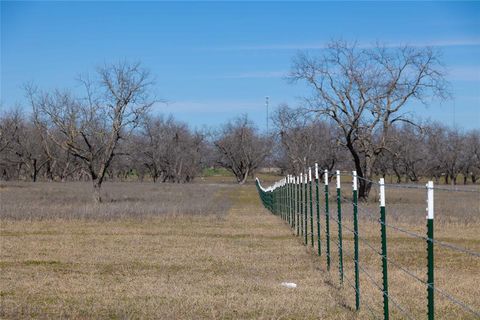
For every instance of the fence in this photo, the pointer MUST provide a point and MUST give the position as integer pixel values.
(297, 200)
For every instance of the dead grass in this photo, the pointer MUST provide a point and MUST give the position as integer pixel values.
(207, 264)
(73, 200)
(171, 267)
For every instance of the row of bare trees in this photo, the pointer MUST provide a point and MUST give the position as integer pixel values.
(354, 118)
(432, 150)
(160, 148)
(106, 131)
(410, 152)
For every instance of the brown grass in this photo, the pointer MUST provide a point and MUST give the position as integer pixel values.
(67, 262)
(457, 222)
(73, 200)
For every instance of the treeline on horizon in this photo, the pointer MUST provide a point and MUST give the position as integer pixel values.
(163, 149)
(353, 119)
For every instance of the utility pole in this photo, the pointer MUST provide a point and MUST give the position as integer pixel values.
(266, 105)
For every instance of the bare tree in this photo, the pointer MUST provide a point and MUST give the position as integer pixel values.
(90, 127)
(8, 128)
(407, 152)
(305, 140)
(472, 156)
(22, 145)
(364, 90)
(241, 148)
(169, 150)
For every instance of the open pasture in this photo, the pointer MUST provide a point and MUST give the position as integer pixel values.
(208, 250)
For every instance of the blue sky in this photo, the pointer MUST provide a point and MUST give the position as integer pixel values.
(215, 60)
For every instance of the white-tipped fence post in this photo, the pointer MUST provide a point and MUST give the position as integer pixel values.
(339, 219)
(355, 238)
(430, 251)
(297, 192)
(310, 185)
(290, 200)
(327, 219)
(302, 196)
(317, 205)
(384, 249)
(305, 208)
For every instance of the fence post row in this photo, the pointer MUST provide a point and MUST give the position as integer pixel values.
(430, 250)
(289, 199)
(384, 249)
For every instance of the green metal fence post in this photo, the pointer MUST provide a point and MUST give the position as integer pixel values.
(278, 199)
(355, 237)
(274, 201)
(302, 195)
(279, 191)
(384, 249)
(287, 200)
(297, 212)
(339, 218)
(430, 251)
(285, 213)
(317, 202)
(290, 200)
(305, 208)
(311, 204)
(327, 219)
(282, 190)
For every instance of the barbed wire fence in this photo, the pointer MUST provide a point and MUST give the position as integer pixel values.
(298, 201)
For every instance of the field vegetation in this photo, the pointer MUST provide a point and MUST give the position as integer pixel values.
(209, 250)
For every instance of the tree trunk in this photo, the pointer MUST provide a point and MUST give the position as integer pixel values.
(243, 178)
(364, 186)
(397, 174)
(34, 170)
(97, 185)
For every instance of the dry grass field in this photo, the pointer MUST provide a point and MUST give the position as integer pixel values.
(209, 250)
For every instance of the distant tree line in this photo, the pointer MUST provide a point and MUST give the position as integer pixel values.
(166, 150)
(107, 131)
(353, 119)
(411, 152)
